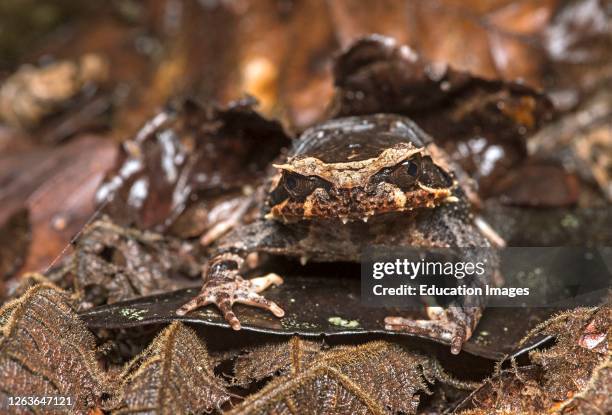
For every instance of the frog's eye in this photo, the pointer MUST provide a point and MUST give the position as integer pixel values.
(299, 186)
(433, 175)
(403, 175)
(407, 172)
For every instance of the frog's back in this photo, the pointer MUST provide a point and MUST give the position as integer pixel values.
(358, 138)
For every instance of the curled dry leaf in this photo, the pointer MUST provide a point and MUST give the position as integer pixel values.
(373, 378)
(189, 156)
(174, 375)
(112, 263)
(45, 350)
(566, 378)
(481, 123)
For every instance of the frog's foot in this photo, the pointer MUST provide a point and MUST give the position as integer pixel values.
(224, 294)
(453, 325)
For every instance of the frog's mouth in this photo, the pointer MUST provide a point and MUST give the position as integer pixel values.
(360, 204)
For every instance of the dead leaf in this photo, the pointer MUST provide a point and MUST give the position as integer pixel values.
(376, 377)
(481, 123)
(190, 154)
(56, 185)
(566, 378)
(112, 263)
(45, 350)
(173, 375)
(15, 236)
(274, 359)
(32, 93)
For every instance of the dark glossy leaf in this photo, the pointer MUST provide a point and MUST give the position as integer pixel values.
(45, 350)
(315, 306)
(552, 226)
(376, 377)
(173, 375)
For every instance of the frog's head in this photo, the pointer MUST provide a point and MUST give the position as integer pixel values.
(358, 167)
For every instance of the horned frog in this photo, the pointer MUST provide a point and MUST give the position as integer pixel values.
(347, 184)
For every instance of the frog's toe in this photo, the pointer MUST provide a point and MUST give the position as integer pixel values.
(225, 294)
(445, 331)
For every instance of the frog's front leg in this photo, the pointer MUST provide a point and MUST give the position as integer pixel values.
(455, 323)
(224, 286)
(223, 283)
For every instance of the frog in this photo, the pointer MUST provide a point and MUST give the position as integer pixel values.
(344, 185)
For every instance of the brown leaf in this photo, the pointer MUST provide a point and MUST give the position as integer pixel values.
(271, 359)
(538, 184)
(31, 93)
(45, 350)
(192, 154)
(481, 123)
(582, 140)
(502, 35)
(376, 377)
(569, 366)
(566, 378)
(57, 186)
(112, 263)
(15, 236)
(174, 375)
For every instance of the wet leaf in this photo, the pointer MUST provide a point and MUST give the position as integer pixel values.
(174, 375)
(376, 377)
(538, 184)
(309, 302)
(45, 350)
(192, 154)
(481, 123)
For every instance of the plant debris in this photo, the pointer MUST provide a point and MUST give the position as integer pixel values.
(573, 376)
(275, 359)
(172, 376)
(473, 118)
(33, 93)
(191, 156)
(198, 99)
(111, 264)
(45, 350)
(376, 377)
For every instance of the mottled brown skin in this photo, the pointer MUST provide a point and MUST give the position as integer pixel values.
(348, 184)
